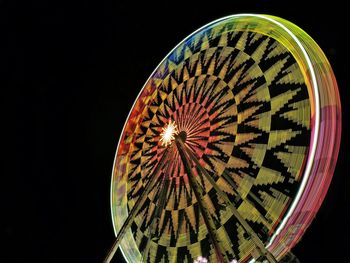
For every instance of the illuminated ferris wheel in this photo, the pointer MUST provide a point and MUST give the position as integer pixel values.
(230, 147)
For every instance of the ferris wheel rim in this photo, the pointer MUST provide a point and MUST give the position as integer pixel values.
(315, 128)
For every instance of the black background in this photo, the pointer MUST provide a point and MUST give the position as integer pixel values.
(72, 71)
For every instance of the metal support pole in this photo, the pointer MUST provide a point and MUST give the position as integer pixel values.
(138, 204)
(222, 258)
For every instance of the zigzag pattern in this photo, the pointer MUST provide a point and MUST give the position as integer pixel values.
(241, 98)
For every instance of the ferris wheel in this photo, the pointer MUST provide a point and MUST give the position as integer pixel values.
(229, 148)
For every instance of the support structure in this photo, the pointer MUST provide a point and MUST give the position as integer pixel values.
(209, 222)
(187, 157)
(138, 204)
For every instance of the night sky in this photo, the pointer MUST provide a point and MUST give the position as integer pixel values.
(72, 71)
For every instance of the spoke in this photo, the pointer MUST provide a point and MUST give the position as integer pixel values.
(138, 204)
(260, 245)
(209, 222)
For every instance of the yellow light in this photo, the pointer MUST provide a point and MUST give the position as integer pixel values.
(168, 133)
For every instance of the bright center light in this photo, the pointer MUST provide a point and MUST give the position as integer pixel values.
(168, 133)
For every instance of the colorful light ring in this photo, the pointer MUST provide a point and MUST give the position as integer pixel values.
(284, 106)
(326, 143)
